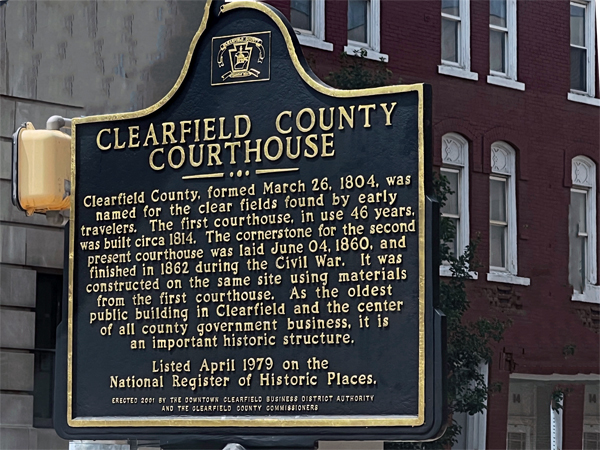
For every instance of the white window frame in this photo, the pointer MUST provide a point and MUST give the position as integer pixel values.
(474, 429)
(589, 95)
(462, 68)
(583, 178)
(505, 224)
(455, 157)
(508, 79)
(503, 158)
(316, 37)
(372, 48)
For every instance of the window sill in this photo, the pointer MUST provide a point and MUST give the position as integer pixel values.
(446, 272)
(505, 82)
(591, 294)
(508, 278)
(457, 72)
(312, 41)
(355, 50)
(580, 98)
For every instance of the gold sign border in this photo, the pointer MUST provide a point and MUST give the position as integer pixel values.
(256, 421)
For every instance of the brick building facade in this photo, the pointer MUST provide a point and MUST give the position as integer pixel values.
(516, 127)
(515, 117)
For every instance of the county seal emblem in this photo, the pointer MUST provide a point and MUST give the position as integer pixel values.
(241, 58)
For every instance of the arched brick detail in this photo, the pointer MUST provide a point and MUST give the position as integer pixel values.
(579, 150)
(463, 128)
(516, 141)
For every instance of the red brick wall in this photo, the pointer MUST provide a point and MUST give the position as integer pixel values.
(547, 131)
(573, 417)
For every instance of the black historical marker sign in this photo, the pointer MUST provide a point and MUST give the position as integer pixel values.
(253, 255)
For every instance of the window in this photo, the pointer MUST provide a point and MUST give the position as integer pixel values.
(578, 239)
(503, 216)
(455, 157)
(522, 419)
(358, 21)
(456, 36)
(503, 44)
(579, 50)
(518, 439)
(591, 417)
(363, 29)
(591, 441)
(583, 52)
(452, 208)
(451, 32)
(308, 19)
(498, 37)
(498, 223)
(48, 312)
(301, 15)
(582, 231)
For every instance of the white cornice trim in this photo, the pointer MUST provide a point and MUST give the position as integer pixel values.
(555, 377)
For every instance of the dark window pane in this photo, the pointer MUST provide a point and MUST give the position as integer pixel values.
(577, 241)
(451, 206)
(43, 389)
(577, 25)
(48, 309)
(498, 200)
(498, 51)
(498, 13)
(498, 246)
(578, 203)
(578, 69)
(357, 20)
(450, 40)
(453, 242)
(451, 7)
(301, 14)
